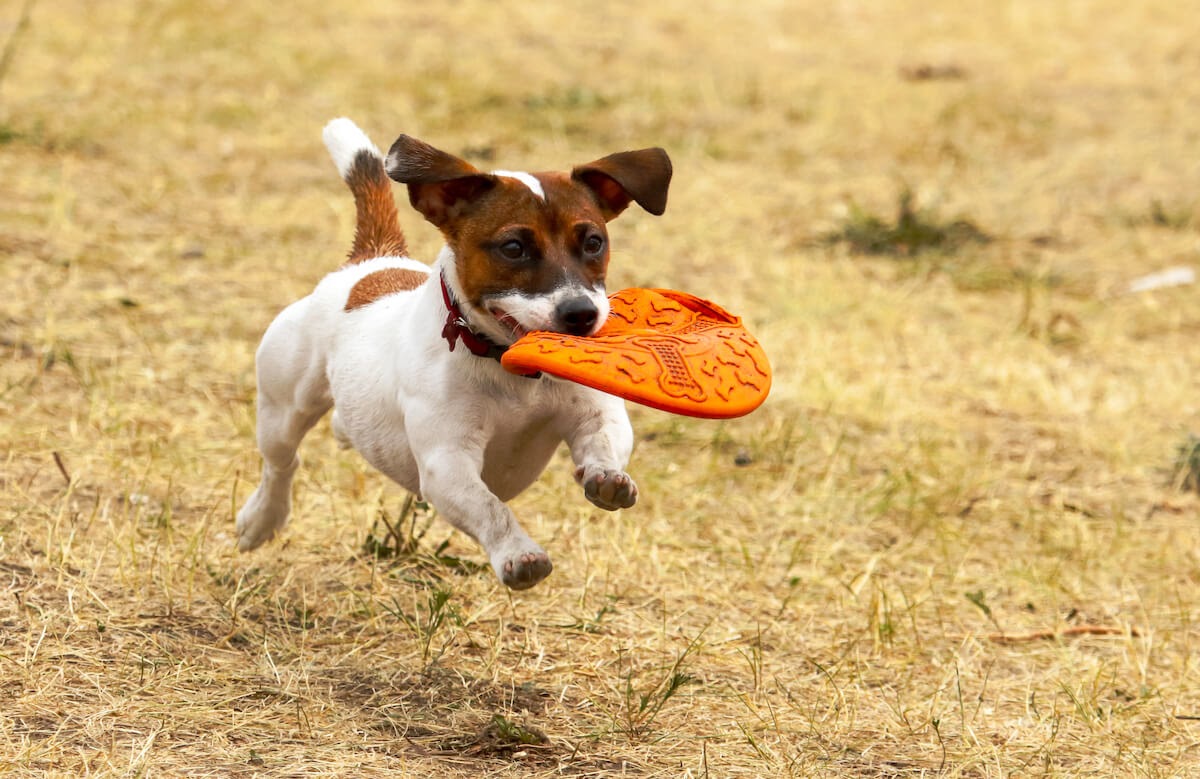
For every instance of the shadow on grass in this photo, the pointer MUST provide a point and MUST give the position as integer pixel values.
(924, 244)
(914, 231)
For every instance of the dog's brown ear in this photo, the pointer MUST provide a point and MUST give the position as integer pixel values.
(642, 176)
(440, 185)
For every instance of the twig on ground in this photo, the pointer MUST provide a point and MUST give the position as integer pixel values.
(1069, 632)
(62, 467)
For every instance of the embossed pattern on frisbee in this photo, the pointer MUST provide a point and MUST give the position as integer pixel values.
(661, 348)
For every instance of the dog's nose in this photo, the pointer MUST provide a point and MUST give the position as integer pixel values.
(578, 316)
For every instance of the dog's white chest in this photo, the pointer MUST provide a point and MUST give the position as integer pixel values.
(517, 453)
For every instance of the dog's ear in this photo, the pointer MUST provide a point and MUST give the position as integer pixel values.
(440, 185)
(642, 176)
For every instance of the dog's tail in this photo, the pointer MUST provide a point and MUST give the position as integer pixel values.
(377, 231)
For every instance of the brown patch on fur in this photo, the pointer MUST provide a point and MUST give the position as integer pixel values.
(381, 283)
(377, 230)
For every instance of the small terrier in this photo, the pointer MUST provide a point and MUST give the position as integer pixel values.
(407, 355)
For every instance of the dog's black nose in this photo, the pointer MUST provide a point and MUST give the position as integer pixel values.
(578, 315)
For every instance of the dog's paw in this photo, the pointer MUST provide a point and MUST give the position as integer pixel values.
(610, 490)
(259, 520)
(525, 570)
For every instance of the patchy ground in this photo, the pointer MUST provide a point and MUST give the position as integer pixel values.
(960, 539)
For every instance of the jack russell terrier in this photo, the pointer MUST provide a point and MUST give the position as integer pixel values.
(408, 355)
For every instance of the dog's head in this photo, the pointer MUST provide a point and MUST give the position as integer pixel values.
(531, 250)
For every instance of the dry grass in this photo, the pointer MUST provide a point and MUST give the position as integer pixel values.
(960, 443)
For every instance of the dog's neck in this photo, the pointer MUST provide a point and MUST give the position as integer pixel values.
(457, 328)
(459, 325)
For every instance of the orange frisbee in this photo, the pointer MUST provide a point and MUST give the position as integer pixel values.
(661, 348)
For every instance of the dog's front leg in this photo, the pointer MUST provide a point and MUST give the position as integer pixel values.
(451, 480)
(601, 442)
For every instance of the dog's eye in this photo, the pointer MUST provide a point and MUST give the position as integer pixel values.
(512, 250)
(593, 245)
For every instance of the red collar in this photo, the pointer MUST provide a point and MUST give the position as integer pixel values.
(456, 328)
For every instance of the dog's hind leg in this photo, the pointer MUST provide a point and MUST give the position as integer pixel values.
(293, 394)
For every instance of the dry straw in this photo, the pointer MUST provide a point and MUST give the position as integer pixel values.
(953, 543)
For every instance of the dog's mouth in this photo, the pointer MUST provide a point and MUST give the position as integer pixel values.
(509, 322)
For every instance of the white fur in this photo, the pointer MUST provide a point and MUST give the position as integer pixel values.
(345, 140)
(527, 179)
(453, 427)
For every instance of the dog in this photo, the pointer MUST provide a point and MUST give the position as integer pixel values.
(407, 355)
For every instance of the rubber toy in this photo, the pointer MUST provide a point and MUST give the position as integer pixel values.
(661, 348)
